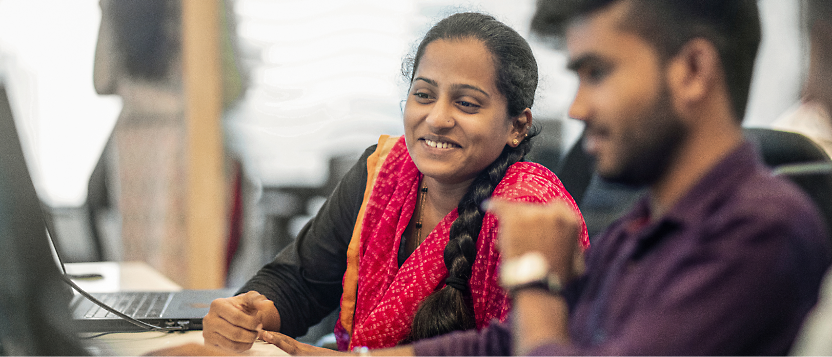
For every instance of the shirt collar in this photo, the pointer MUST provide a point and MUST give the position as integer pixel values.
(728, 172)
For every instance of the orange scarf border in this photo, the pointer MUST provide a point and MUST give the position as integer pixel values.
(350, 282)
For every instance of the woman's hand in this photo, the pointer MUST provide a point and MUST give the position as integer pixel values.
(295, 348)
(233, 323)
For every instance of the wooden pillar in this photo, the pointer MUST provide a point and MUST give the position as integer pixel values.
(205, 202)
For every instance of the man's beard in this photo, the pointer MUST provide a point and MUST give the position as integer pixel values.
(648, 150)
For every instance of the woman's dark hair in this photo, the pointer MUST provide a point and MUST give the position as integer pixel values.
(451, 308)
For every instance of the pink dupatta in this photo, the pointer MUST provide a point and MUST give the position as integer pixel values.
(380, 298)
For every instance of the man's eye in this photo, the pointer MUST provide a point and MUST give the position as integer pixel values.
(596, 74)
(467, 104)
(421, 95)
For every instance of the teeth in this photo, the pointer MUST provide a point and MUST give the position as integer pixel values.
(438, 145)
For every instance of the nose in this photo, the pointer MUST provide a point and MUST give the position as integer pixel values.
(580, 108)
(440, 116)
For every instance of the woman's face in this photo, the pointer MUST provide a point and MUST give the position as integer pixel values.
(456, 121)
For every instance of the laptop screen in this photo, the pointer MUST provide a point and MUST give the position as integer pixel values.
(33, 298)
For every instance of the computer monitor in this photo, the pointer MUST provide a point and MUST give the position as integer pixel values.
(34, 313)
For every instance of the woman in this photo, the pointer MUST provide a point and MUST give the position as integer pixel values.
(422, 259)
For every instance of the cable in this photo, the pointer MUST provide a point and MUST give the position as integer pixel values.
(87, 295)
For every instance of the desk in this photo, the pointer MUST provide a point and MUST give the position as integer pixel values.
(140, 277)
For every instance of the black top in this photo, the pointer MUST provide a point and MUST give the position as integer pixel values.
(304, 280)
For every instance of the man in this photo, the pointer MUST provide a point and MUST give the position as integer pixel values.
(718, 258)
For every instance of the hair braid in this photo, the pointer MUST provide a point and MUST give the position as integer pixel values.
(450, 308)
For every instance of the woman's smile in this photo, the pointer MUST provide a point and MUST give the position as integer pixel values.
(441, 144)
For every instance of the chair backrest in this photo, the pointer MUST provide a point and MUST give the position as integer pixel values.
(799, 159)
(575, 170)
(780, 147)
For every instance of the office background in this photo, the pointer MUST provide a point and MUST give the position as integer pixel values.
(317, 82)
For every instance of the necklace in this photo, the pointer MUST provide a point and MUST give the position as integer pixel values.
(423, 193)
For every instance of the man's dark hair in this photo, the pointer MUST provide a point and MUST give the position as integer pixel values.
(732, 26)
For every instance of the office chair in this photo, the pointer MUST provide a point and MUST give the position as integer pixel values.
(801, 160)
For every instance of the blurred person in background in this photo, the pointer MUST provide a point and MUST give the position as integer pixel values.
(816, 336)
(810, 116)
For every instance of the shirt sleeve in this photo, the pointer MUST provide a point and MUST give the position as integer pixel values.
(494, 340)
(745, 291)
(304, 280)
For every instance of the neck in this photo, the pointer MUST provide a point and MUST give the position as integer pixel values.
(704, 147)
(442, 197)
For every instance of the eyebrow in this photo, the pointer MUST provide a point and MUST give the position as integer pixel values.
(580, 62)
(428, 81)
(455, 86)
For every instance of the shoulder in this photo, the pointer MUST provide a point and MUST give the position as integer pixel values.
(531, 182)
(774, 217)
(770, 200)
(531, 169)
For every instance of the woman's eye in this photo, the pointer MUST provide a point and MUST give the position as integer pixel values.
(468, 107)
(421, 95)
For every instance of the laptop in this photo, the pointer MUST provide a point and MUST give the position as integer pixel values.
(171, 310)
(35, 295)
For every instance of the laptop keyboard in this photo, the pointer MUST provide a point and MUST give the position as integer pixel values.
(136, 305)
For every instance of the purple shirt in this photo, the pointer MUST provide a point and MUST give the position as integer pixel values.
(732, 268)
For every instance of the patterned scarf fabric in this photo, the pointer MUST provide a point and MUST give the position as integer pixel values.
(380, 298)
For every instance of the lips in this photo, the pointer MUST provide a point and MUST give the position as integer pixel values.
(592, 139)
(590, 144)
(440, 143)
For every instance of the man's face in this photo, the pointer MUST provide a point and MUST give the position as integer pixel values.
(623, 98)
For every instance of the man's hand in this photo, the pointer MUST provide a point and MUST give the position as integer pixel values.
(233, 323)
(550, 229)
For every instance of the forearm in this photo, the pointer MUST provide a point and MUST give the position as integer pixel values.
(304, 280)
(539, 318)
(406, 350)
(271, 321)
(493, 340)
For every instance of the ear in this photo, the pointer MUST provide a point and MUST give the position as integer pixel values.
(520, 126)
(693, 74)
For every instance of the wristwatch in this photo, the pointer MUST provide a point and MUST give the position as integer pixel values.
(529, 271)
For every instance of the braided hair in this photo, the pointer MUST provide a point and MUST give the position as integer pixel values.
(451, 308)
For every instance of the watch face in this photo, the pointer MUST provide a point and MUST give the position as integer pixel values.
(527, 268)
